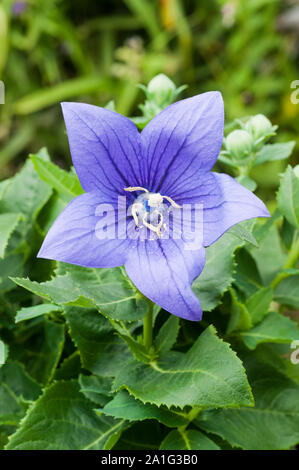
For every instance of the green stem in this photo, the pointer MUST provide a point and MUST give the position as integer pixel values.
(148, 326)
(291, 260)
(191, 417)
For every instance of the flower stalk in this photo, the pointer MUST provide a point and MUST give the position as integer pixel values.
(148, 326)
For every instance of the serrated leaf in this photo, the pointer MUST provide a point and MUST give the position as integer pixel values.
(126, 407)
(16, 388)
(275, 328)
(105, 289)
(288, 196)
(274, 421)
(287, 292)
(101, 350)
(269, 256)
(209, 374)
(239, 315)
(189, 439)
(42, 349)
(258, 304)
(8, 223)
(27, 313)
(247, 276)
(242, 232)
(273, 152)
(97, 389)
(59, 179)
(63, 419)
(69, 368)
(137, 348)
(217, 275)
(11, 265)
(26, 194)
(167, 335)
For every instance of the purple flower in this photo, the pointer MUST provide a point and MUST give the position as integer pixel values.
(164, 168)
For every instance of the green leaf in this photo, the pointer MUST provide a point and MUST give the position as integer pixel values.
(105, 289)
(167, 335)
(126, 407)
(274, 421)
(3, 353)
(42, 349)
(241, 231)
(239, 318)
(288, 196)
(217, 275)
(69, 368)
(247, 276)
(141, 436)
(189, 439)
(51, 211)
(269, 256)
(275, 328)
(96, 389)
(101, 350)
(137, 348)
(60, 180)
(258, 304)
(287, 292)
(8, 223)
(11, 265)
(27, 313)
(209, 374)
(272, 152)
(17, 388)
(248, 182)
(26, 194)
(63, 419)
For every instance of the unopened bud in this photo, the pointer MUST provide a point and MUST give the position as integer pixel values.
(161, 89)
(239, 143)
(259, 126)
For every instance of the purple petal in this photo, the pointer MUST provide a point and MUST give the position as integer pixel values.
(105, 148)
(163, 271)
(76, 236)
(183, 140)
(238, 203)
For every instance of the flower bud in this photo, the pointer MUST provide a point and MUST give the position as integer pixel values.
(296, 170)
(161, 89)
(259, 126)
(239, 143)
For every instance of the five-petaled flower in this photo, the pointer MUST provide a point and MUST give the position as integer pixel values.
(168, 164)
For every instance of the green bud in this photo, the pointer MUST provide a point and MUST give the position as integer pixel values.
(296, 170)
(259, 126)
(161, 89)
(239, 143)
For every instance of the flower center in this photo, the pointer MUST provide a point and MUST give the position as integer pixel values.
(148, 210)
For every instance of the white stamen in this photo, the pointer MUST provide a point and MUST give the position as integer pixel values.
(174, 204)
(154, 228)
(154, 200)
(131, 189)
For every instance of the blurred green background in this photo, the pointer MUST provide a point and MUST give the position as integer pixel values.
(95, 51)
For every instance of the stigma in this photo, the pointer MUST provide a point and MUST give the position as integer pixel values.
(149, 210)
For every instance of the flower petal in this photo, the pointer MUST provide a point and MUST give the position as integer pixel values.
(184, 138)
(238, 203)
(163, 271)
(105, 148)
(85, 233)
